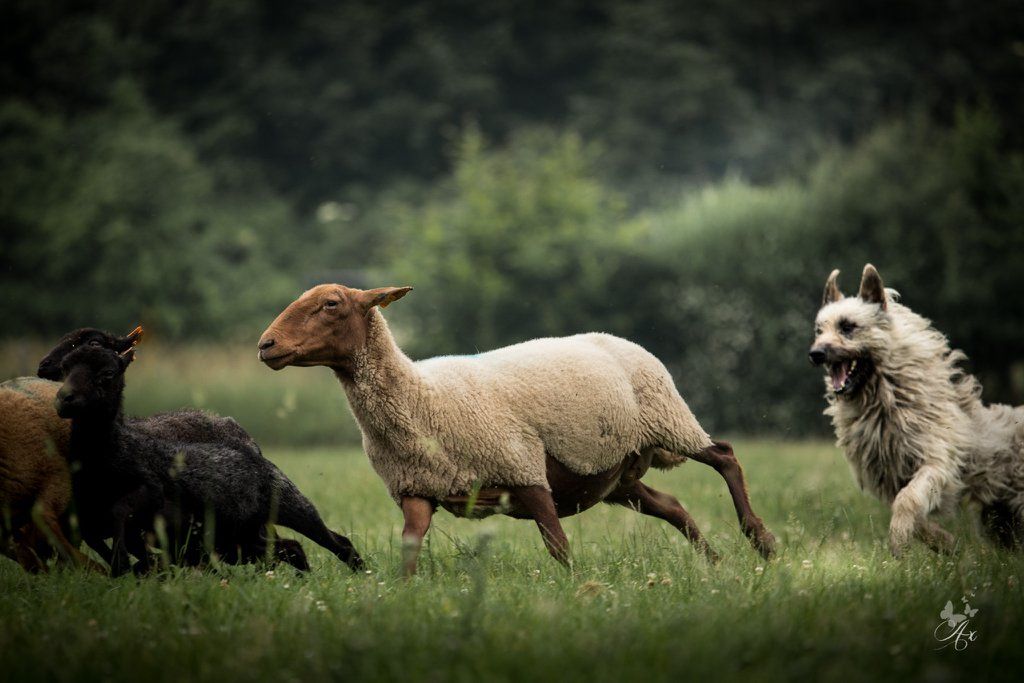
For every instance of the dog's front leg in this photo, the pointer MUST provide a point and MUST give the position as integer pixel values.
(937, 538)
(913, 504)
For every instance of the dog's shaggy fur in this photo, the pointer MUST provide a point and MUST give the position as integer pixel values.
(911, 422)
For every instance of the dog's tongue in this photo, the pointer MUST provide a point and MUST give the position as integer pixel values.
(839, 372)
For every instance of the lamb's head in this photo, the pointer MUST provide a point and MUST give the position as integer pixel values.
(93, 382)
(49, 366)
(324, 326)
(852, 333)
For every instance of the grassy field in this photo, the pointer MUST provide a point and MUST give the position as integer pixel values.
(490, 605)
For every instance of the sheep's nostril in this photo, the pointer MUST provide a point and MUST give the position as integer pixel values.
(817, 356)
(266, 344)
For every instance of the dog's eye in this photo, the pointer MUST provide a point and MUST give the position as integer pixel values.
(847, 327)
(94, 342)
(330, 303)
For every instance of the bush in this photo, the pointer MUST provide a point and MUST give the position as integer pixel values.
(723, 285)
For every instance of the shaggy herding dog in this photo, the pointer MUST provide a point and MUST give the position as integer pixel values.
(911, 421)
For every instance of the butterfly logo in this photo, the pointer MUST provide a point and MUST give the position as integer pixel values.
(952, 629)
(950, 617)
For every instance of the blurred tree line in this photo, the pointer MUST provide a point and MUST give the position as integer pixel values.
(684, 174)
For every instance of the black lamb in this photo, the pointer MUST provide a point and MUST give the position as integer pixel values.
(124, 478)
(189, 424)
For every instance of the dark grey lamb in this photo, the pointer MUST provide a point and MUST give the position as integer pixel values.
(190, 425)
(128, 476)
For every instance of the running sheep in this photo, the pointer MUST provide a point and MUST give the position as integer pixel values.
(126, 479)
(35, 486)
(538, 430)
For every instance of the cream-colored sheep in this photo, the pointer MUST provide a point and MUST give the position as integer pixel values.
(439, 427)
(592, 408)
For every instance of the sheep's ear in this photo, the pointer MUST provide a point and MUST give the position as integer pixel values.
(135, 336)
(832, 292)
(126, 356)
(382, 296)
(871, 288)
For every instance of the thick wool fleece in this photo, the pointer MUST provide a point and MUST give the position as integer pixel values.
(439, 427)
(33, 442)
(919, 413)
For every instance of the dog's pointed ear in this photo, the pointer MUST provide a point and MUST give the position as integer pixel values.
(832, 292)
(871, 288)
(382, 296)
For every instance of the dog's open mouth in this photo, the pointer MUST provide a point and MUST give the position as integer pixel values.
(848, 375)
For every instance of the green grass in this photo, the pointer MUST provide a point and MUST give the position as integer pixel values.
(490, 605)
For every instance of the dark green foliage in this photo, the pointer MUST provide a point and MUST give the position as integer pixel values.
(723, 284)
(684, 174)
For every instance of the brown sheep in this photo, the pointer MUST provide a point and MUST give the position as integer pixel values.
(35, 486)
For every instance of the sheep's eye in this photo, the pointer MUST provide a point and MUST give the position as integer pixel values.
(107, 376)
(847, 327)
(330, 303)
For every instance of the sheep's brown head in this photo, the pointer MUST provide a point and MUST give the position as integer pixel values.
(324, 326)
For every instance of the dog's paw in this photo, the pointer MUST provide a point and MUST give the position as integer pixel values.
(938, 539)
(901, 530)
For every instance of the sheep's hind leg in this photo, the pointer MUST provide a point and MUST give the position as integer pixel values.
(648, 501)
(538, 504)
(721, 457)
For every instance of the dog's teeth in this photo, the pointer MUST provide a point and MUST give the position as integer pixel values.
(853, 365)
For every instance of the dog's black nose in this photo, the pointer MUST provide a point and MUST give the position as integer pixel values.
(266, 344)
(817, 356)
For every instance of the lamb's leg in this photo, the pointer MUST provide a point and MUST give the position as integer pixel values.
(721, 457)
(282, 549)
(49, 525)
(126, 539)
(26, 546)
(648, 501)
(418, 513)
(536, 501)
(290, 551)
(297, 513)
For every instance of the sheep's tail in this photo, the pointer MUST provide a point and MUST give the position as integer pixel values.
(296, 512)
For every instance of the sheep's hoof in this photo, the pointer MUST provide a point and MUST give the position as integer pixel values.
(764, 543)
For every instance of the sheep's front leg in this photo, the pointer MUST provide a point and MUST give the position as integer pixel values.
(913, 504)
(537, 502)
(127, 514)
(418, 513)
